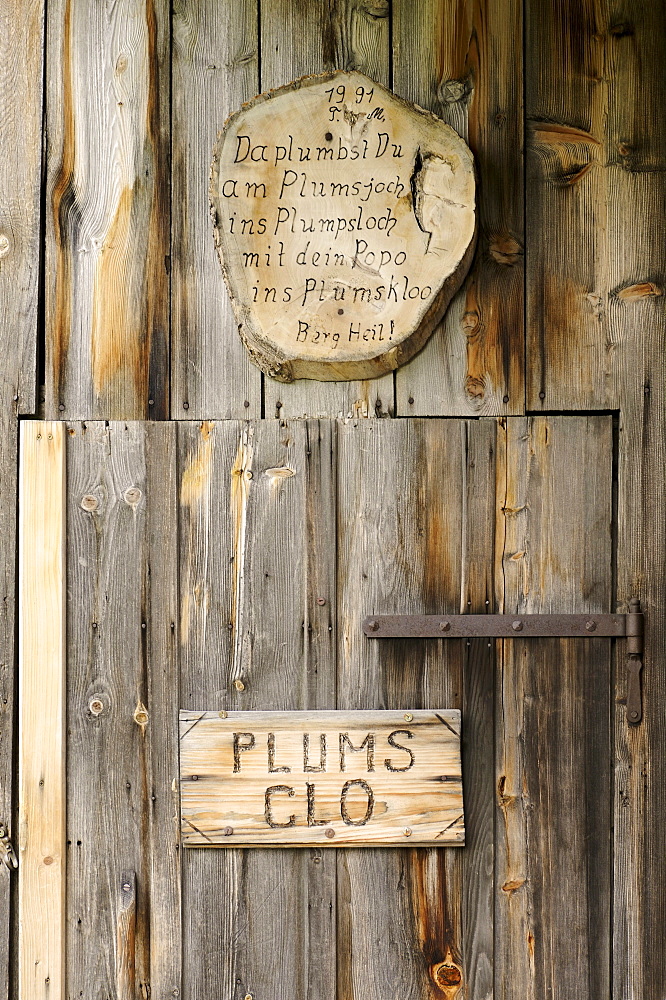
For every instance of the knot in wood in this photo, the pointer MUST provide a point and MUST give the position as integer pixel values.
(132, 496)
(96, 706)
(4, 245)
(89, 502)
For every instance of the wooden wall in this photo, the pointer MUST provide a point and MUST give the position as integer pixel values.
(112, 299)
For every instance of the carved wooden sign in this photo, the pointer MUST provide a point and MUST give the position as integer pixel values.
(344, 221)
(320, 778)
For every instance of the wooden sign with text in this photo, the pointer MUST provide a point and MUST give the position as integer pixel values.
(320, 778)
(345, 222)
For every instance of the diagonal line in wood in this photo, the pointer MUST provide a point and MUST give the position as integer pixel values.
(197, 830)
(195, 723)
(452, 823)
(448, 725)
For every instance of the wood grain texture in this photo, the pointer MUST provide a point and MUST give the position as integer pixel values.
(107, 210)
(299, 38)
(41, 823)
(414, 496)
(463, 62)
(257, 520)
(8, 516)
(553, 709)
(215, 67)
(21, 73)
(596, 188)
(320, 779)
(121, 698)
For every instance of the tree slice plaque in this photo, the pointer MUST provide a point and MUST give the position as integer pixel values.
(344, 221)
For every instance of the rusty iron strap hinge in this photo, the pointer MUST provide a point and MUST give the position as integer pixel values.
(587, 626)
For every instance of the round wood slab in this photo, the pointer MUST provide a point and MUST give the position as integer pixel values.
(344, 222)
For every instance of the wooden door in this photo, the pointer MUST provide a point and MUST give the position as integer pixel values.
(228, 566)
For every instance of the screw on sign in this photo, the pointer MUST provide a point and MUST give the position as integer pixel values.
(345, 222)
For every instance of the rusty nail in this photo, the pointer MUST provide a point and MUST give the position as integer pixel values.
(373, 625)
(249, 474)
(186, 406)
(633, 715)
(321, 601)
(61, 406)
(444, 626)
(591, 625)
(222, 714)
(408, 717)
(126, 887)
(408, 832)
(238, 684)
(248, 996)
(228, 830)
(329, 833)
(195, 777)
(517, 626)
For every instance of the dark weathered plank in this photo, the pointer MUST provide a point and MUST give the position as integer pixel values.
(21, 72)
(215, 65)
(107, 210)
(161, 590)
(257, 631)
(8, 488)
(121, 696)
(639, 910)
(464, 64)
(415, 500)
(299, 38)
(595, 186)
(553, 712)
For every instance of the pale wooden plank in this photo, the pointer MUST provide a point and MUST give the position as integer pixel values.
(320, 779)
(465, 65)
(42, 850)
(256, 548)
(8, 513)
(107, 210)
(215, 68)
(553, 709)
(400, 549)
(21, 71)
(299, 38)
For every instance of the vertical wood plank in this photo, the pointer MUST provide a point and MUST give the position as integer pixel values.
(639, 913)
(122, 699)
(21, 72)
(409, 491)
(42, 848)
(553, 866)
(596, 188)
(463, 62)
(215, 64)
(9, 447)
(107, 210)
(257, 549)
(299, 37)
(161, 589)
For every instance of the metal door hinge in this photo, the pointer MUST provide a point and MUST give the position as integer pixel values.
(629, 626)
(8, 853)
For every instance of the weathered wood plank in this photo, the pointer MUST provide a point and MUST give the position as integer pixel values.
(122, 699)
(402, 548)
(299, 38)
(21, 73)
(639, 910)
(553, 710)
(8, 509)
(42, 588)
(258, 631)
(596, 158)
(161, 590)
(107, 210)
(215, 65)
(465, 65)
